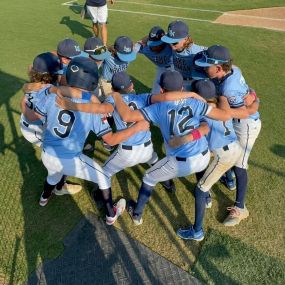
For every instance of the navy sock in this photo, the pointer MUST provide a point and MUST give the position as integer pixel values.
(241, 178)
(60, 184)
(47, 190)
(229, 175)
(200, 174)
(107, 198)
(144, 195)
(200, 205)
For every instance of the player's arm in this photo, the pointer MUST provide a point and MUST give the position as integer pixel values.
(174, 95)
(245, 111)
(94, 107)
(124, 110)
(222, 112)
(121, 136)
(34, 86)
(30, 114)
(196, 134)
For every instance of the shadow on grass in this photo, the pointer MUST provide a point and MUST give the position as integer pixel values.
(76, 27)
(278, 149)
(226, 260)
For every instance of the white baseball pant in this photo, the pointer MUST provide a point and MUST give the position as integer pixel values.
(80, 166)
(32, 133)
(247, 131)
(171, 166)
(128, 156)
(224, 159)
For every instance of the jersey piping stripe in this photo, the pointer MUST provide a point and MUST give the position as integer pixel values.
(113, 155)
(38, 137)
(145, 115)
(104, 132)
(245, 145)
(158, 167)
(210, 172)
(93, 167)
(39, 111)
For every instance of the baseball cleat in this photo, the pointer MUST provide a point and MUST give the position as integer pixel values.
(43, 201)
(189, 233)
(235, 216)
(230, 184)
(68, 189)
(119, 208)
(136, 219)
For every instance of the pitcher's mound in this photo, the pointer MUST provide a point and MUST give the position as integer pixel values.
(268, 18)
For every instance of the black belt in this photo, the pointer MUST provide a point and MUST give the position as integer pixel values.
(178, 158)
(129, 147)
(226, 148)
(25, 124)
(238, 120)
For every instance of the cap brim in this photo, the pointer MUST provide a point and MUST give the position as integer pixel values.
(81, 54)
(197, 75)
(127, 57)
(169, 40)
(202, 63)
(154, 43)
(101, 56)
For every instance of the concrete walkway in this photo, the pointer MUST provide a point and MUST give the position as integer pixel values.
(99, 254)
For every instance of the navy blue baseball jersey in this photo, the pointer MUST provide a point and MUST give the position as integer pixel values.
(134, 102)
(179, 118)
(67, 130)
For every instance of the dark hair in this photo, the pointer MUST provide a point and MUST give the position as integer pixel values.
(36, 76)
(227, 66)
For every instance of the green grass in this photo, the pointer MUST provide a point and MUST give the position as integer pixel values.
(252, 253)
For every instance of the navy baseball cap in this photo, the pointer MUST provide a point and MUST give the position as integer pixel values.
(47, 63)
(95, 48)
(124, 47)
(154, 37)
(171, 81)
(177, 31)
(121, 81)
(82, 72)
(214, 55)
(198, 72)
(70, 49)
(205, 88)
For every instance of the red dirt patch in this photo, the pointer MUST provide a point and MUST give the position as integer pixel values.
(267, 18)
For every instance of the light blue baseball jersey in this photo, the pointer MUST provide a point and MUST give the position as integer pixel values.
(134, 102)
(112, 65)
(234, 87)
(179, 118)
(221, 133)
(67, 130)
(183, 61)
(162, 59)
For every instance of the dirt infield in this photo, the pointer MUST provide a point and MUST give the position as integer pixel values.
(268, 18)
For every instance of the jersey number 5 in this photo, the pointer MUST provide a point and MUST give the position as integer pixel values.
(182, 124)
(67, 124)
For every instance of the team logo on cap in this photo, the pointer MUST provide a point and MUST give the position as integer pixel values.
(127, 49)
(77, 48)
(74, 68)
(171, 33)
(152, 35)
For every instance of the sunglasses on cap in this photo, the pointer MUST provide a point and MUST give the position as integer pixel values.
(98, 50)
(210, 60)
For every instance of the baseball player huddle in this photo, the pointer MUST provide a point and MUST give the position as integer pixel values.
(199, 100)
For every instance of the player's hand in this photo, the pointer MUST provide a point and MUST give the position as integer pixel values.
(63, 103)
(143, 125)
(177, 141)
(249, 97)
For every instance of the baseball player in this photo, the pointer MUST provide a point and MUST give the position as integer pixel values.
(174, 118)
(98, 12)
(66, 133)
(157, 52)
(223, 143)
(231, 84)
(184, 49)
(45, 71)
(122, 55)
